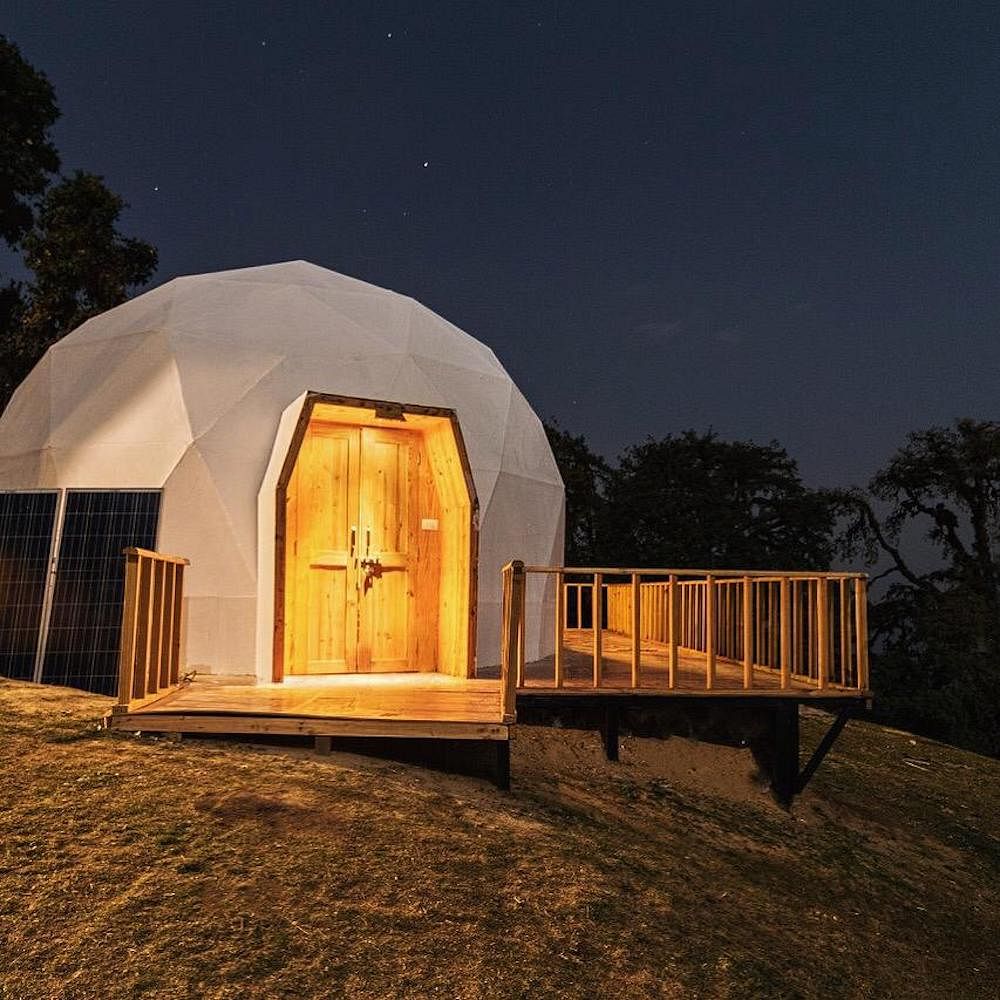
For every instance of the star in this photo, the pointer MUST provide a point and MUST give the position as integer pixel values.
(427, 163)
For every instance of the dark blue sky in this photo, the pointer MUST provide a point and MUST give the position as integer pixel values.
(778, 220)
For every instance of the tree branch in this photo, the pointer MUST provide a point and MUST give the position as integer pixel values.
(891, 550)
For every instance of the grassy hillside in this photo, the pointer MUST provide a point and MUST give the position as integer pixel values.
(138, 867)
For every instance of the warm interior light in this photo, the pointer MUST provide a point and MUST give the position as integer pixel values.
(378, 545)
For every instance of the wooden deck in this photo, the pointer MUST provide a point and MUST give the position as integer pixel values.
(429, 706)
(437, 706)
(757, 644)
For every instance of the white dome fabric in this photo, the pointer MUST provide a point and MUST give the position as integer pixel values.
(193, 387)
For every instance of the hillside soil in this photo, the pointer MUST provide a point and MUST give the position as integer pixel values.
(140, 867)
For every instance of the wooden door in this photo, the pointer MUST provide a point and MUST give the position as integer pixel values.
(386, 507)
(353, 562)
(323, 506)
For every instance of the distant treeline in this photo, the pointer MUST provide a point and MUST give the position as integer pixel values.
(694, 500)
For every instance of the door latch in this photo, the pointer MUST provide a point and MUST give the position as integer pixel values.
(372, 569)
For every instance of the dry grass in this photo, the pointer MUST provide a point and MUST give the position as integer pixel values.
(137, 867)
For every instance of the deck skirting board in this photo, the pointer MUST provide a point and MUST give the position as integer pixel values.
(163, 722)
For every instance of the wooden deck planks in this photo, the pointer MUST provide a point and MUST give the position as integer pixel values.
(690, 673)
(413, 698)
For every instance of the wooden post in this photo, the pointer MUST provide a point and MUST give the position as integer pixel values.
(845, 645)
(501, 764)
(710, 632)
(796, 627)
(785, 750)
(157, 648)
(508, 651)
(126, 657)
(178, 611)
(144, 605)
(521, 579)
(861, 630)
(774, 629)
(758, 633)
(610, 732)
(167, 635)
(747, 632)
(596, 616)
(636, 623)
(785, 629)
(673, 602)
(505, 589)
(822, 633)
(560, 623)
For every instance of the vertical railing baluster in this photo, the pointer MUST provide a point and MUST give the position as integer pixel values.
(559, 625)
(126, 656)
(636, 626)
(747, 627)
(822, 633)
(522, 625)
(861, 625)
(673, 601)
(710, 612)
(785, 629)
(596, 616)
(843, 627)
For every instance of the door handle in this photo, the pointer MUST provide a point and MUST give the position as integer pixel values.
(368, 540)
(354, 538)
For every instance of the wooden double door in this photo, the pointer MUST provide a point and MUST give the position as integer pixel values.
(353, 521)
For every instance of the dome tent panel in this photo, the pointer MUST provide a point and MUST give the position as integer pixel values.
(201, 408)
(213, 384)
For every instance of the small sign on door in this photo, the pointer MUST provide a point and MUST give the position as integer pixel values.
(429, 524)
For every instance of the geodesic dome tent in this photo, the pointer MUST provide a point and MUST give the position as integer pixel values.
(209, 417)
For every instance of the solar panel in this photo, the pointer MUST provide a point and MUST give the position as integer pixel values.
(26, 523)
(85, 623)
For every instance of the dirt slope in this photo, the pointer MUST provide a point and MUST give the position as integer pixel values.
(137, 867)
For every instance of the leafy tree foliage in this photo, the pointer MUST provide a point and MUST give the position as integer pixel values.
(27, 157)
(81, 263)
(936, 633)
(694, 500)
(585, 476)
(66, 232)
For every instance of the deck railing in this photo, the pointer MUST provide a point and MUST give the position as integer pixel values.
(808, 628)
(149, 664)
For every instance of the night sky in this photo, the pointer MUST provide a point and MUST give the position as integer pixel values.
(777, 220)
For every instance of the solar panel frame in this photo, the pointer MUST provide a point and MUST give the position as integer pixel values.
(27, 529)
(83, 638)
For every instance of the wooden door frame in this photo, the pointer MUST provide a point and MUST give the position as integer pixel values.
(392, 411)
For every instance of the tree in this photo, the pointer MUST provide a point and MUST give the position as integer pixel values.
(693, 500)
(936, 632)
(27, 157)
(82, 265)
(67, 232)
(585, 476)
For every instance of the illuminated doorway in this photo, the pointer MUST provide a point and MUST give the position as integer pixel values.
(376, 542)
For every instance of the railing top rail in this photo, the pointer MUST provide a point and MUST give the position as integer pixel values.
(769, 574)
(161, 556)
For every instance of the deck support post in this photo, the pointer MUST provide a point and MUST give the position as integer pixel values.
(323, 744)
(825, 744)
(501, 767)
(785, 751)
(609, 732)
